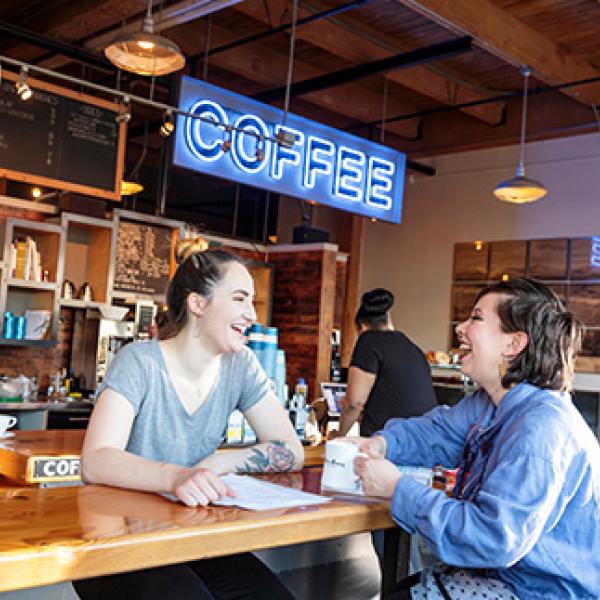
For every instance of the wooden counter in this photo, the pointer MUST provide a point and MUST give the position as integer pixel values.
(53, 535)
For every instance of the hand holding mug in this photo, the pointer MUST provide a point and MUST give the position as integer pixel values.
(373, 446)
(377, 475)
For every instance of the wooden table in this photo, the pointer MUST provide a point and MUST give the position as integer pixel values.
(58, 534)
(38, 457)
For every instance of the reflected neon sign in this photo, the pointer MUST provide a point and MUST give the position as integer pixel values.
(234, 138)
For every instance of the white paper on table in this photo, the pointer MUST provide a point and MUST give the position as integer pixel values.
(255, 494)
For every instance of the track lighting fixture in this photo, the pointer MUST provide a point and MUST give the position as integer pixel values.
(168, 124)
(22, 86)
(124, 115)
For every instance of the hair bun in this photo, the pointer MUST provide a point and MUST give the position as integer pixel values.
(188, 247)
(377, 302)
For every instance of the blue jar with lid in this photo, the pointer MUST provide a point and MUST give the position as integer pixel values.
(8, 330)
(21, 323)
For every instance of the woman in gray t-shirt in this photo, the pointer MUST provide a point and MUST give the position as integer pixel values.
(163, 408)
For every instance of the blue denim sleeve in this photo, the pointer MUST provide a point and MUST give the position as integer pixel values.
(512, 508)
(436, 438)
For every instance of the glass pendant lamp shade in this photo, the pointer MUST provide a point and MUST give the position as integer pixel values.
(144, 52)
(521, 189)
(129, 188)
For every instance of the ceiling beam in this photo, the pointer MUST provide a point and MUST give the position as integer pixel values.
(268, 67)
(351, 45)
(503, 35)
(404, 60)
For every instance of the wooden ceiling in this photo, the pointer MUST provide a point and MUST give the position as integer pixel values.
(430, 108)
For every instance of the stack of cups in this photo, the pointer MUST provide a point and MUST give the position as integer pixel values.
(280, 377)
(269, 361)
(256, 340)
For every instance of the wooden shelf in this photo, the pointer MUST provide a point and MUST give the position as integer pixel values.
(75, 303)
(34, 285)
(36, 343)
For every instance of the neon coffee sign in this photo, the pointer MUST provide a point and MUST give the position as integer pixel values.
(235, 138)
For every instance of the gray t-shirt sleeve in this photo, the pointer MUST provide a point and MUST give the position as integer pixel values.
(254, 382)
(127, 375)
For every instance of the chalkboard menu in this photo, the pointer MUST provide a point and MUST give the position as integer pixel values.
(143, 258)
(57, 139)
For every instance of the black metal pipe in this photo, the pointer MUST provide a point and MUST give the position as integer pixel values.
(420, 167)
(541, 89)
(56, 46)
(406, 59)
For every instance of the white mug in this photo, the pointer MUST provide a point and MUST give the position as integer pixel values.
(6, 422)
(338, 468)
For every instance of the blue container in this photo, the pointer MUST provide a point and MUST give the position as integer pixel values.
(9, 326)
(256, 341)
(20, 327)
(270, 352)
(280, 377)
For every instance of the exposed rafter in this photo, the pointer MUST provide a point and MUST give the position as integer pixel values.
(356, 48)
(505, 36)
(404, 60)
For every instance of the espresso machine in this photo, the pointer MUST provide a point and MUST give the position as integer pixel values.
(98, 340)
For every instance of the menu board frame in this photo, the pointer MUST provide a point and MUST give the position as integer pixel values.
(23, 176)
(177, 233)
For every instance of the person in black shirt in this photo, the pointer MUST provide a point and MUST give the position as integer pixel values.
(389, 376)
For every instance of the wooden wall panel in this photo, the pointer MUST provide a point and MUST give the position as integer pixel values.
(463, 298)
(584, 301)
(548, 259)
(471, 261)
(340, 293)
(303, 297)
(582, 259)
(508, 258)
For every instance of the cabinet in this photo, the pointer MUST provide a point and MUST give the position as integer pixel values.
(18, 294)
(88, 248)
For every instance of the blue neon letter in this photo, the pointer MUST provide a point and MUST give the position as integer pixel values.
(380, 183)
(245, 148)
(197, 142)
(319, 153)
(349, 174)
(282, 154)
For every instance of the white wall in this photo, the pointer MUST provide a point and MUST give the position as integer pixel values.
(414, 259)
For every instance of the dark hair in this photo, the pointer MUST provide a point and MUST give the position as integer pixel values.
(199, 271)
(554, 333)
(374, 307)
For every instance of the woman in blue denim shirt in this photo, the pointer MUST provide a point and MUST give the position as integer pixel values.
(524, 521)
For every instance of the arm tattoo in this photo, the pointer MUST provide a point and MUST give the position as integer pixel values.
(276, 457)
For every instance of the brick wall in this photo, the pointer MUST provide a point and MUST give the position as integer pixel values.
(41, 362)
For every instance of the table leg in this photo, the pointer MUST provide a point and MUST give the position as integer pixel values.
(396, 555)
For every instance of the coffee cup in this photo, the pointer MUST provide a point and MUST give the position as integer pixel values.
(6, 422)
(338, 469)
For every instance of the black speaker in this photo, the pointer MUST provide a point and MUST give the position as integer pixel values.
(305, 235)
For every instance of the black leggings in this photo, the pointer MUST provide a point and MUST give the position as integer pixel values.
(237, 577)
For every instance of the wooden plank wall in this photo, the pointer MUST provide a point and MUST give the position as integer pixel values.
(303, 298)
(570, 267)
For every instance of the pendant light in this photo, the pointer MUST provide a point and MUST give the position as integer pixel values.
(521, 189)
(145, 53)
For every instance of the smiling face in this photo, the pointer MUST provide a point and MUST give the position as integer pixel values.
(485, 345)
(223, 318)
